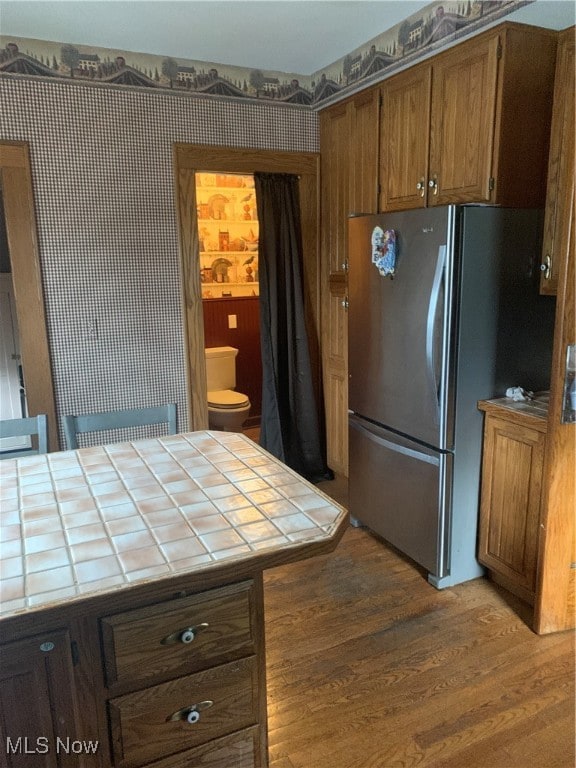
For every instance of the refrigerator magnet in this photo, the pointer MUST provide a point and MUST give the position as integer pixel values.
(384, 251)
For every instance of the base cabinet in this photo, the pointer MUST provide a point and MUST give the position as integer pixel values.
(177, 681)
(512, 467)
(40, 722)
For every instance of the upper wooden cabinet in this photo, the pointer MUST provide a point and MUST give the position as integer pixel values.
(464, 88)
(454, 130)
(364, 136)
(335, 194)
(405, 139)
(561, 169)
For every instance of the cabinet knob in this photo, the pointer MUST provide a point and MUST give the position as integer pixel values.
(47, 646)
(433, 184)
(546, 267)
(344, 302)
(189, 714)
(421, 186)
(186, 635)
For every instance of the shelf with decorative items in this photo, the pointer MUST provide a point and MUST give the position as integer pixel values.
(228, 273)
(228, 235)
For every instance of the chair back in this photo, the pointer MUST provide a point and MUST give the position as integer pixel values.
(30, 426)
(110, 420)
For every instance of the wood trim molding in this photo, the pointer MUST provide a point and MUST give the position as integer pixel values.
(187, 159)
(206, 157)
(27, 280)
(555, 608)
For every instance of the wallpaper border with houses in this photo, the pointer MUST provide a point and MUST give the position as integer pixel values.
(434, 26)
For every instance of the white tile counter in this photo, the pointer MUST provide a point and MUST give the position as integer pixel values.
(78, 523)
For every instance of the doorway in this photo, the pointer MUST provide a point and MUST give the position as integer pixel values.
(20, 219)
(228, 235)
(190, 158)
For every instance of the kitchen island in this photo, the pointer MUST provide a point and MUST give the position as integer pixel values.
(131, 619)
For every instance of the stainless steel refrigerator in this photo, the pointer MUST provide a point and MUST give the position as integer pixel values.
(457, 318)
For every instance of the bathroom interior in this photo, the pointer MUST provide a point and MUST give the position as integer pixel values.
(228, 241)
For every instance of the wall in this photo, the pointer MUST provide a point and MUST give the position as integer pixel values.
(103, 184)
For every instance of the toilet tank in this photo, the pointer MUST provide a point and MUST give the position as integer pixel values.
(220, 368)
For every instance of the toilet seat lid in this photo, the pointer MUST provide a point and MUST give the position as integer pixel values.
(227, 398)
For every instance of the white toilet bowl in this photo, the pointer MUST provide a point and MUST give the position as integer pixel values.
(227, 410)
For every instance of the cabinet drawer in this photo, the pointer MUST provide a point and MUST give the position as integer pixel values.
(156, 642)
(141, 724)
(240, 750)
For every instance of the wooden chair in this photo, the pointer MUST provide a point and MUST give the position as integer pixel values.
(110, 420)
(31, 426)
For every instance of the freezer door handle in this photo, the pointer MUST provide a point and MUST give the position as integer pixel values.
(396, 447)
(430, 326)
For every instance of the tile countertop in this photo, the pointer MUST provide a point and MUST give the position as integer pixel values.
(532, 412)
(95, 520)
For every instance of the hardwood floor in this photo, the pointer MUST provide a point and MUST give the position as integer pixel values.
(371, 667)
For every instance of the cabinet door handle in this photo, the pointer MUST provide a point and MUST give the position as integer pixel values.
(546, 267)
(421, 186)
(344, 302)
(186, 635)
(433, 184)
(189, 714)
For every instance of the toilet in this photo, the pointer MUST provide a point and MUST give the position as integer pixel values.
(227, 409)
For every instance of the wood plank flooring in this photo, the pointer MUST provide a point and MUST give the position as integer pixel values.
(371, 667)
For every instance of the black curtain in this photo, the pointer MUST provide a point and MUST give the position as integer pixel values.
(290, 428)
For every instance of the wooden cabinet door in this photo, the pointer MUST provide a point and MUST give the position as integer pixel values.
(335, 159)
(349, 136)
(38, 712)
(464, 86)
(404, 140)
(364, 135)
(335, 147)
(561, 168)
(510, 502)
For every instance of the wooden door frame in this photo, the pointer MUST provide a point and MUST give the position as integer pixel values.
(22, 236)
(189, 158)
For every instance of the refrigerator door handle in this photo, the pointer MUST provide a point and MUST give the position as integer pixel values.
(430, 323)
(429, 459)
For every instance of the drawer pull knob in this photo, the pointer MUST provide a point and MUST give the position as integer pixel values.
(185, 636)
(189, 714)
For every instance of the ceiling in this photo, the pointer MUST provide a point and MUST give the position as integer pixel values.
(295, 36)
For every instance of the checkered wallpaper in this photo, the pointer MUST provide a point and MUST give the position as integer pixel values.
(103, 185)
